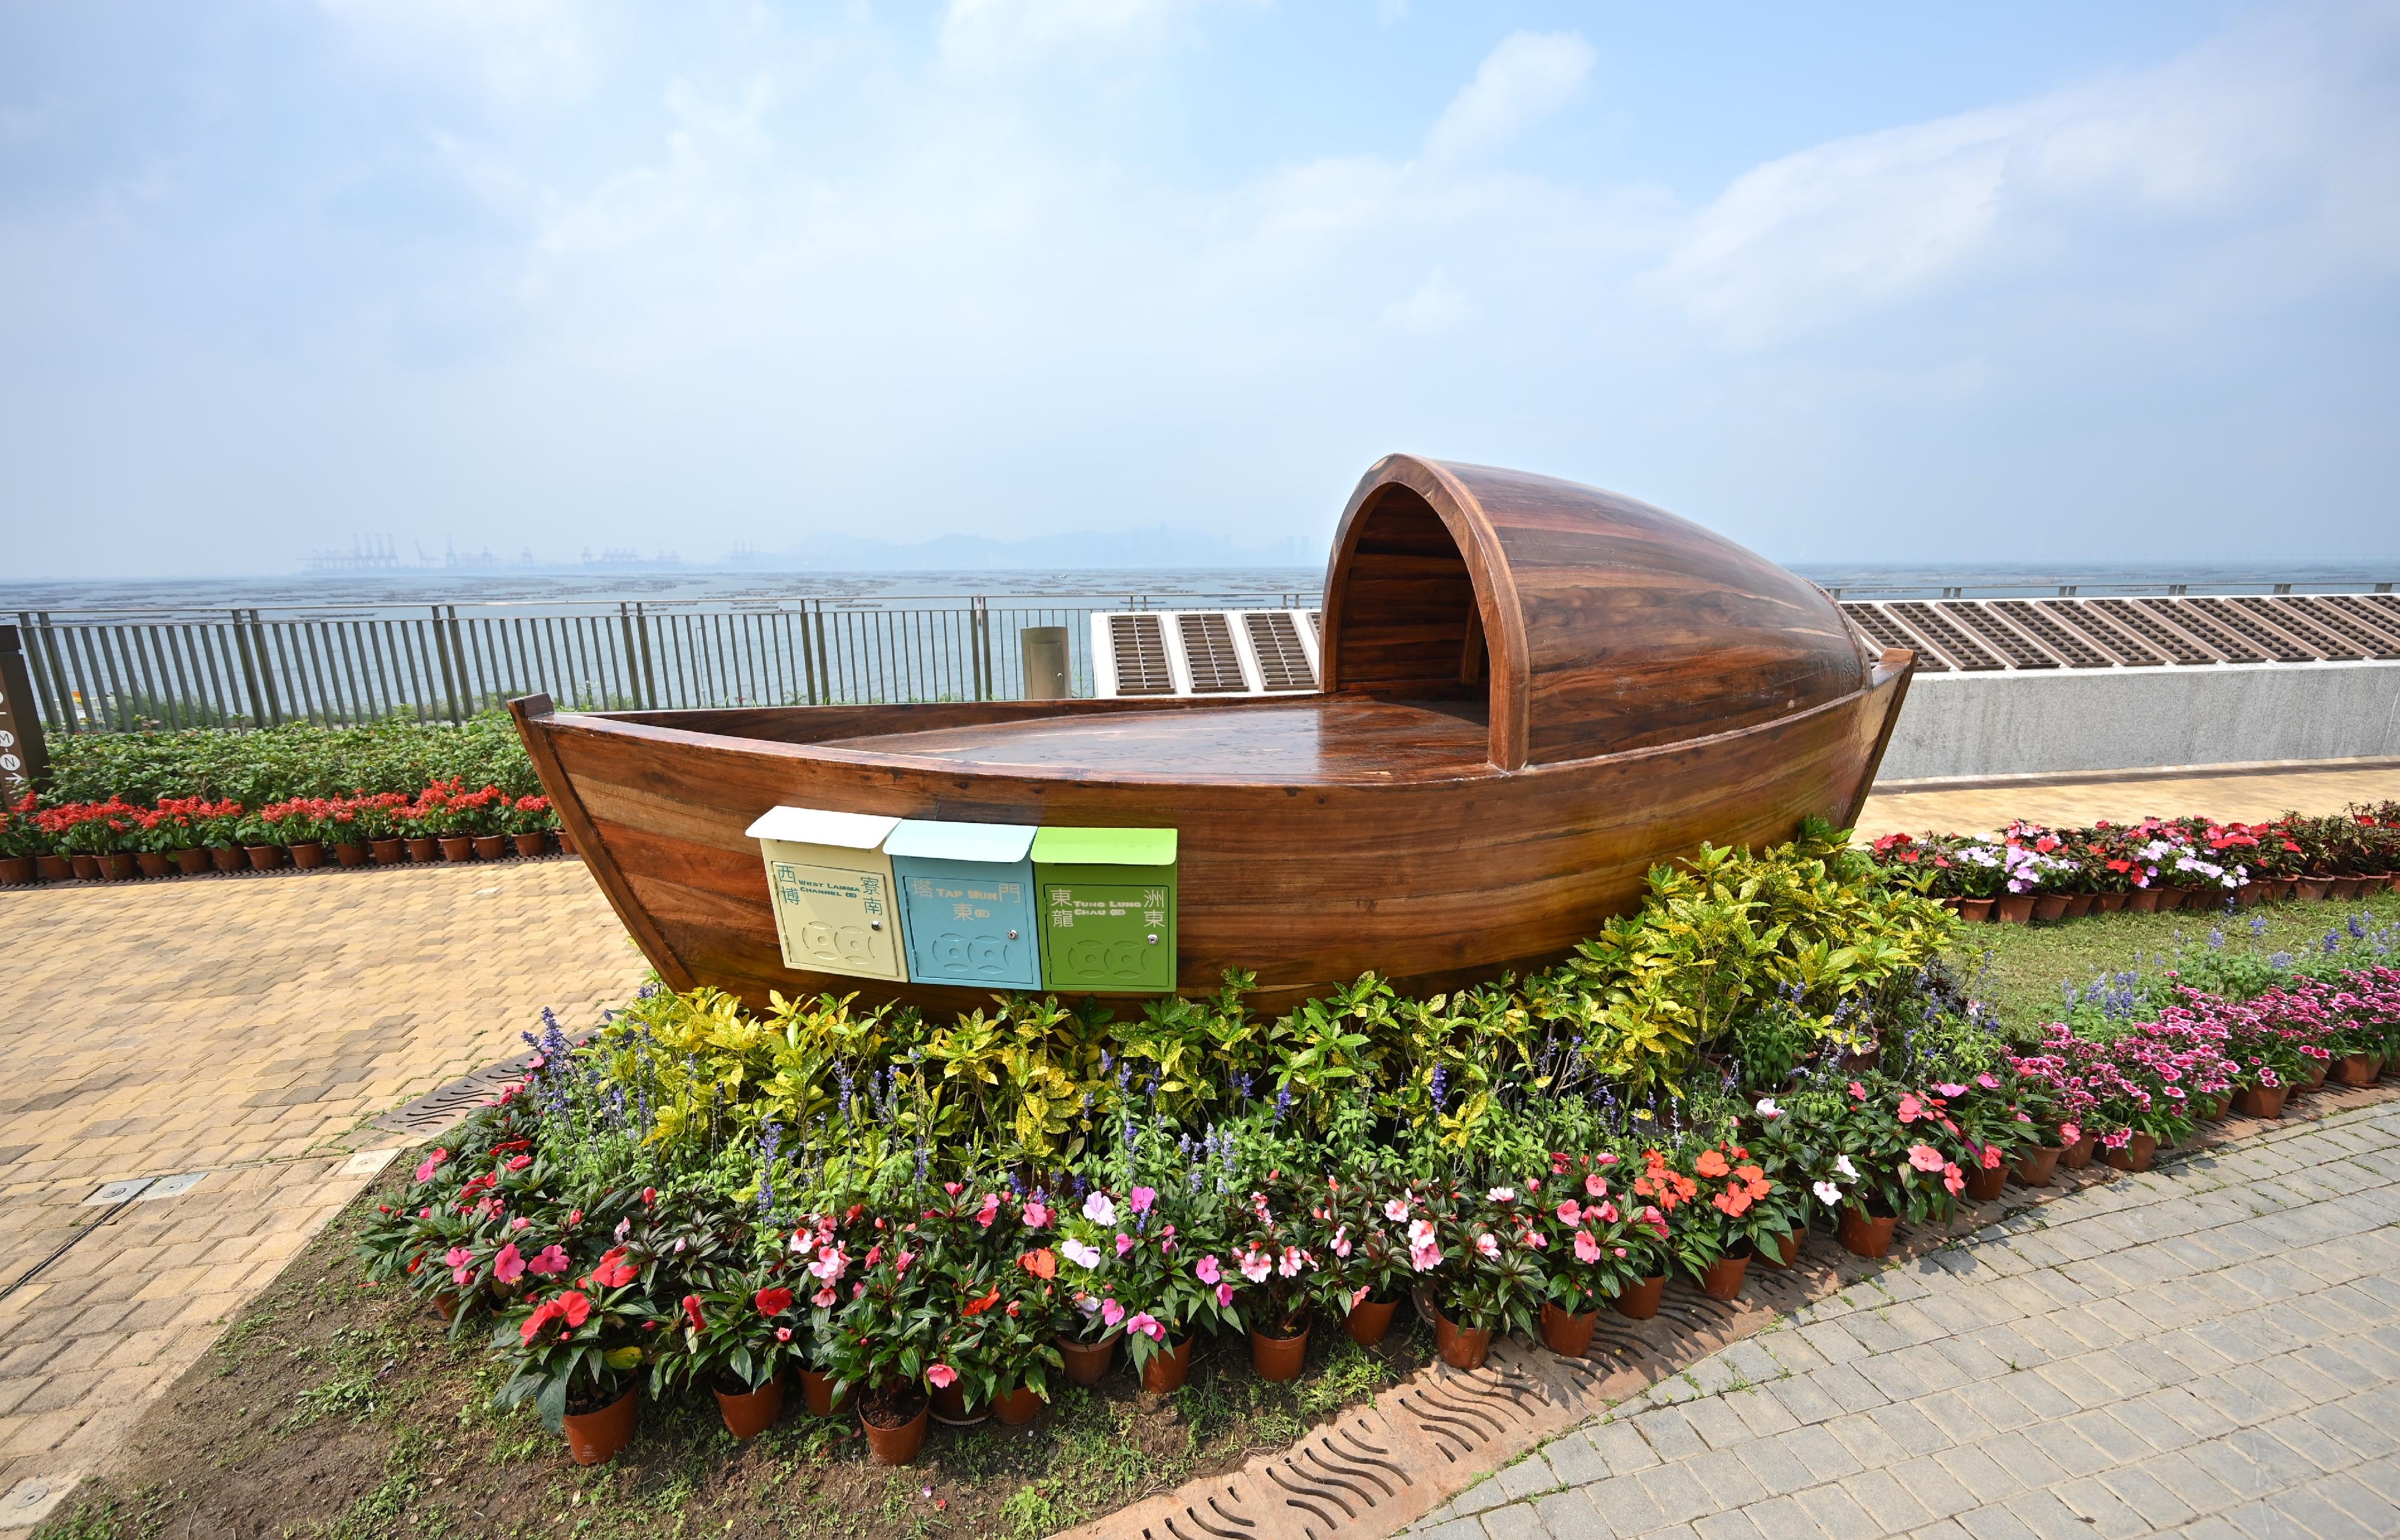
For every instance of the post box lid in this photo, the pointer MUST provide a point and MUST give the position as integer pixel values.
(857, 831)
(928, 838)
(1105, 847)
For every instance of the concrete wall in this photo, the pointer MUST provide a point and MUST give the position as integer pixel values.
(2134, 719)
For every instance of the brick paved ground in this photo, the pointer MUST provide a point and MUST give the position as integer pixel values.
(2250, 797)
(247, 1028)
(2210, 1349)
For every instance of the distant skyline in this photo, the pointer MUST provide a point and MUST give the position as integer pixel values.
(2062, 284)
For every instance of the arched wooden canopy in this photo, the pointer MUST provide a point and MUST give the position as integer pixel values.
(1590, 623)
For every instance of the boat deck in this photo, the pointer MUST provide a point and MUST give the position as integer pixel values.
(1314, 740)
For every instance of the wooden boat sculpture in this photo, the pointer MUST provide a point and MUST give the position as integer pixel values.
(1531, 691)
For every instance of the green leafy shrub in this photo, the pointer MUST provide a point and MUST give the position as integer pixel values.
(275, 764)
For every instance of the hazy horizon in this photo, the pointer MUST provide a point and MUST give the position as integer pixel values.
(2074, 286)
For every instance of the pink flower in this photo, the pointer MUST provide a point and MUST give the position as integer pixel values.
(1142, 1323)
(1291, 1262)
(1925, 1157)
(1125, 1243)
(1341, 1241)
(1910, 1108)
(1858, 1092)
(1595, 1186)
(989, 1211)
(1207, 1270)
(552, 1259)
(1488, 1246)
(1989, 1080)
(1953, 1178)
(460, 1261)
(1587, 1249)
(783, 1334)
(1224, 1294)
(1949, 1089)
(941, 1376)
(431, 1163)
(824, 1298)
(510, 1265)
(900, 1263)
(1991, 1156)
(520, 1163)
(1142, 1198)
(1571, 1212)
(1037, 1214)
(1110, 1313)
(1395, 1209)
(1256, 1265)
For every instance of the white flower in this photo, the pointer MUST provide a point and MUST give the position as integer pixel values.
(1489, 1246)
(1842, 1163)
(1766, 1107)
(1502, 1194)
(1080, 1254)
(1830, 1194)
(1100, 1210)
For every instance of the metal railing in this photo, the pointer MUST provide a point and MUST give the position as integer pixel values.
(245, 667)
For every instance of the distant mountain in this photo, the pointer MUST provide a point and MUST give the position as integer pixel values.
(1158, 547)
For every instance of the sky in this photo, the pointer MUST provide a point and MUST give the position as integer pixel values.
(2050, 282)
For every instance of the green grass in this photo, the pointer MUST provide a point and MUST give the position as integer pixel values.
(2020, 968)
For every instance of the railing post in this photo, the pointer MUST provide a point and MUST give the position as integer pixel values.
(465, 675)
(53, 673)
(649, 680)
(441, 650)
(983, 647)
(824, 658)
(251, 666)
(808, 652)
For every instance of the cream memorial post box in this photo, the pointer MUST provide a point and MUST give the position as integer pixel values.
(836, 910)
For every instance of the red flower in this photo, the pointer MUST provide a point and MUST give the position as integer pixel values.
(976, 1307)
(1042, 1263)
(614, 1271)
(773, 1302)
(691, 1312)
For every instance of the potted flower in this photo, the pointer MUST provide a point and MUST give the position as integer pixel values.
(1586, 1256)
(734, 1339)
(1276, 1252)
(575, 1353)
(1885, 1165)
(97, 837)
(1368, 1273)
(485, 816)
(880, 1342)
(375, 822)
(1095, 1320)
(1161, 1280)
(22, 842)
(298, 825)
(1720, 1235)
(1492, 1278)
(342, 829)
(178, 832)
(527, 822)
(1021, 1356)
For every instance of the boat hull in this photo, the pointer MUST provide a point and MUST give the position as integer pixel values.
(1431, 882)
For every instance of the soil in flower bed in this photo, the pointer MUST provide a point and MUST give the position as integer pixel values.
(336, 1411)
(2019, 968)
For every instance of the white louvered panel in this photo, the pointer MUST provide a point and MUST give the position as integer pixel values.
(1274, 642)
(1137, 649)
(1208, 654)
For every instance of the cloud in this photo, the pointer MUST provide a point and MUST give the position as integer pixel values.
(1437, 307)
(979, 35)
(1528, 76)
(517, 51)
(2254, 131)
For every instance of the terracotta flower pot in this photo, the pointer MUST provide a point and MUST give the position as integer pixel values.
(1016, 1407)
(2315, 1075)
(2144, 900)
(349, 852)
(1639, 1302)
(86, 867)
(1986, 1182)
(422, 847)
(566, 841)
(457, 847)
(154, 863)
(2050, 907)
(949, 1404)
(2108, 903)
(816, 1392)
(1721, 1278)
(2015, 910)
(1866, 1234)
(1785, 1251)
(193, 862)
(17, 871)
(228, 858)
(2079, 905)
(2254, 892)
(55, 868)
(1975, 911)
(1369, 1320)
(491, 847)
(307, 855)
(387, 853)
(1168, 1370)
(266, 858)
(2136, 1154)
(896, 1440)
(1087, 1361)
(1461, 1346)
(2035, 1167)
(594, 1437)
(535, 843)
(1567, 1333)
(1278, 1357)
(2078, 1155)
(2314, 888)
(748, 1414)
(117, 867)
(2260, 1101)
(2357, 1069)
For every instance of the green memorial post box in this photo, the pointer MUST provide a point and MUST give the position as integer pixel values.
(1106, 909)
(836, 911)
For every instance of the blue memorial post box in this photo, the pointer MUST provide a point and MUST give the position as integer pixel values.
(966, 902)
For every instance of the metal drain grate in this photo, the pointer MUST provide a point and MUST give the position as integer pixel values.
(1208, 650)
(1880, 629)
(1274, 641)
(444, 1105)
(1141, 651)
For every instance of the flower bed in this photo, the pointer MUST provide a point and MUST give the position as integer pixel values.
(189, 837)
(907, 1219)
(2030, 872)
